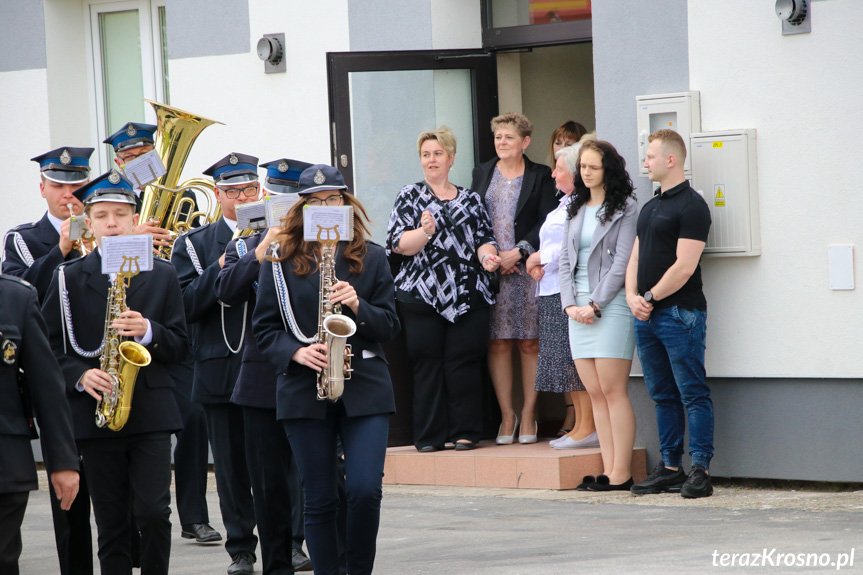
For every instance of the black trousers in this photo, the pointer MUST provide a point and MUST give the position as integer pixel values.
(72, 531)
(190, 462)
(276, 489)
(12, 508)
(131, 472)
(227, 439)
(315, 446)
(447, 365)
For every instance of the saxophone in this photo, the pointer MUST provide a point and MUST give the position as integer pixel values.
(333, 328)
(120, 359)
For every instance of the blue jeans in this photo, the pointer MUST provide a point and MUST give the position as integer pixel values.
(671, 349)
(364, 440)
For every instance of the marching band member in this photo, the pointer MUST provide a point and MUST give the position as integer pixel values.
(131, 142)
(361, 417)
(191, 451)
(217, 333)
(130, 467)
(24, 346)
(32, 252)
(272, 471)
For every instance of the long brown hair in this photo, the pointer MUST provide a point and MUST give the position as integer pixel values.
(293, 247)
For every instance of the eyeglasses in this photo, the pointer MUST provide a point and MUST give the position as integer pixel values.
(234, 193)
(126, 158)
(334, 200)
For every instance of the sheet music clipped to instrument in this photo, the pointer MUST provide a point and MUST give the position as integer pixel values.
(118, 251)
(319, 219)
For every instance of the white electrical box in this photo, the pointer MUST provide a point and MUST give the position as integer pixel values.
(724, 171)
(680, 112)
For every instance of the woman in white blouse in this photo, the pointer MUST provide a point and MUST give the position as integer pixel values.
(555, 370)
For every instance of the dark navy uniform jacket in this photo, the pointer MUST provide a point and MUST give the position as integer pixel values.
(235, 286)
(156, 295)
(43, 244)
(21, 324)
(216, 366)
(369, 391)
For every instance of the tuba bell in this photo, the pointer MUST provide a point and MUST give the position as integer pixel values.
(163, 199)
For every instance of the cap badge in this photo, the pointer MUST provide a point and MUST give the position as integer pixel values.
(131, 131)
(114, 178)
(283, 166)
(319, 178)
(234, 160)
(9, 351)
(65, 158)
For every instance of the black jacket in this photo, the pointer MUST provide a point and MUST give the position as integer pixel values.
(236, 285)
(536, 200)
(216, 366)
(369, 391)
(22, 325)
(43, 244)
(156, 295)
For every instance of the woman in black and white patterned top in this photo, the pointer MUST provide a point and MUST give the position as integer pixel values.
(445, 236)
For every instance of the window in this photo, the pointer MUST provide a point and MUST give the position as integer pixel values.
(128, 41)
(530, 23)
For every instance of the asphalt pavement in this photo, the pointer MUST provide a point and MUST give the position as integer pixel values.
(447, 530)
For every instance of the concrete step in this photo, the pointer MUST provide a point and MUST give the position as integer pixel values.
(529, 466)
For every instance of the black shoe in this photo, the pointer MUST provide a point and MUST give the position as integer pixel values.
(585, 482)
(300, 561)
(200, 532)
(465, 445)
(697, 484)
(625, 486)
(661, 480)
(244, 562)
(428, 448)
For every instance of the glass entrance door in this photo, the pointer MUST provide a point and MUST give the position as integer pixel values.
(382, 101)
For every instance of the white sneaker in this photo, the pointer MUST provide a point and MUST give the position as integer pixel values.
(569, 443)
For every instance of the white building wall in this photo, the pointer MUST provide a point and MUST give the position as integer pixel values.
(456, 25)
(775, 315)
(266, 115)
(24, 125)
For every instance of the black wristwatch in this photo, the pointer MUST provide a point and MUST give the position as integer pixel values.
(524, 254)
(648, 297)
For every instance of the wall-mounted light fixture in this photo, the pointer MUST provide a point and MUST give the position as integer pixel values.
(796, 16)
(271, 49)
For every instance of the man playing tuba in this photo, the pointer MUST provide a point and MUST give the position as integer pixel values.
(132, 466)
(192, 450)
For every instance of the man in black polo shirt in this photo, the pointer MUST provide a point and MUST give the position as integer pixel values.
(663, 290)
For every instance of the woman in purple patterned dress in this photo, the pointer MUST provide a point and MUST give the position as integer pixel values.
(518, 194)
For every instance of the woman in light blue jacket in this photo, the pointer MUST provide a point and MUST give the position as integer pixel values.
(597, 241)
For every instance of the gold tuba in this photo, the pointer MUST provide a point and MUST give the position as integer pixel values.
(163, 199)
(120, 359)
(333, 328)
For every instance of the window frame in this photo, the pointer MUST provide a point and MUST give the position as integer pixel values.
(151, 53)
(532, 35)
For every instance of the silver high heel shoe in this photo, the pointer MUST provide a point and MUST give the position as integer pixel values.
(522, 438)
(507, 439)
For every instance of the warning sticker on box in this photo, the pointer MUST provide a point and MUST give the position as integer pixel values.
(718, 196)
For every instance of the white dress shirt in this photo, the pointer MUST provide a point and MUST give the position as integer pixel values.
(550, 242)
